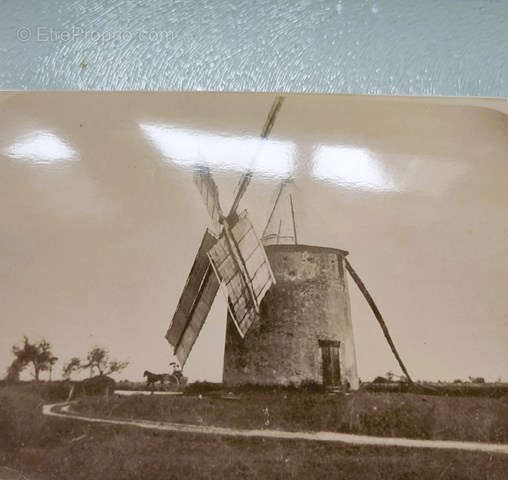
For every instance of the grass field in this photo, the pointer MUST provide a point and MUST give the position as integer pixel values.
(48, 448)
(381, 414)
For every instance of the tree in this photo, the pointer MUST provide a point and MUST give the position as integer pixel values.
(39, 355)
(14, 371)
(116, 366)
(73, 365)
(98, 359)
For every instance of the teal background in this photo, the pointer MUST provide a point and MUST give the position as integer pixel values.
(383, 47)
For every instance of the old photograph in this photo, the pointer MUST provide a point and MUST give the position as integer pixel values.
(200, 285)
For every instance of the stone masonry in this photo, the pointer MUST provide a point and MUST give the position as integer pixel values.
(309, 303)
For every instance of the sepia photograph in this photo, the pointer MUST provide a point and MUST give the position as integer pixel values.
(240, 285)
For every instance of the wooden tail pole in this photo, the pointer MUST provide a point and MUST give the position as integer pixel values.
(293, 217)
(378, 316)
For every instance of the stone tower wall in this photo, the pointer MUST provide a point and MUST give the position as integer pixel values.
(309, 302)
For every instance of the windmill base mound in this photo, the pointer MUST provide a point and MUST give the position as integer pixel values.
(304, 333)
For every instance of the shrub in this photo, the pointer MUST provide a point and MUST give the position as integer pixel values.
(132, 386)
(96, 385)
(196, 388)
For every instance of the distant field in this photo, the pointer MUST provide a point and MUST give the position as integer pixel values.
(492, 390)
(46, 448)
(380, 414)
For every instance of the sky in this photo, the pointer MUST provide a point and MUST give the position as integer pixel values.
(101, 219)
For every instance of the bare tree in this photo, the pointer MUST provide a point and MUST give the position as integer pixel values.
(116, 366)
(73, 365)
(39, 355)
(98, 360)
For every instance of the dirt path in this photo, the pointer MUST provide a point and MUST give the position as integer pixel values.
(128, 393)
(62, 410)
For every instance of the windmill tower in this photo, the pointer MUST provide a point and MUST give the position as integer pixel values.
(289, 316)
(304, 331)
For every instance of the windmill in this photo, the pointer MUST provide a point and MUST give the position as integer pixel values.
(231, 256)
(289, 317)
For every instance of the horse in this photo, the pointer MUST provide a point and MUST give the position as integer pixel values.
(153, 378)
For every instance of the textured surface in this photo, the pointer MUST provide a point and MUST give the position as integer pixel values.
(390, 47)
(309, 303)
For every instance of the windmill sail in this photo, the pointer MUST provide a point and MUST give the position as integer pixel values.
(241, 264)
(247, 176)
(208, 190)
(237, 260)
(195, 303)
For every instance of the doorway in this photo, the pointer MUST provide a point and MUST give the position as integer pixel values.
(331, 362)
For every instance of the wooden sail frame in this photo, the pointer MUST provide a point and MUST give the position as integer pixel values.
(206, 275)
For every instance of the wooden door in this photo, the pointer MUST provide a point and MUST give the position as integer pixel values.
(330, 353)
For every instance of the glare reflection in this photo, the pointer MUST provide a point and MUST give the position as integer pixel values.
(41, 147)
(192, 147)
(351, 167)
